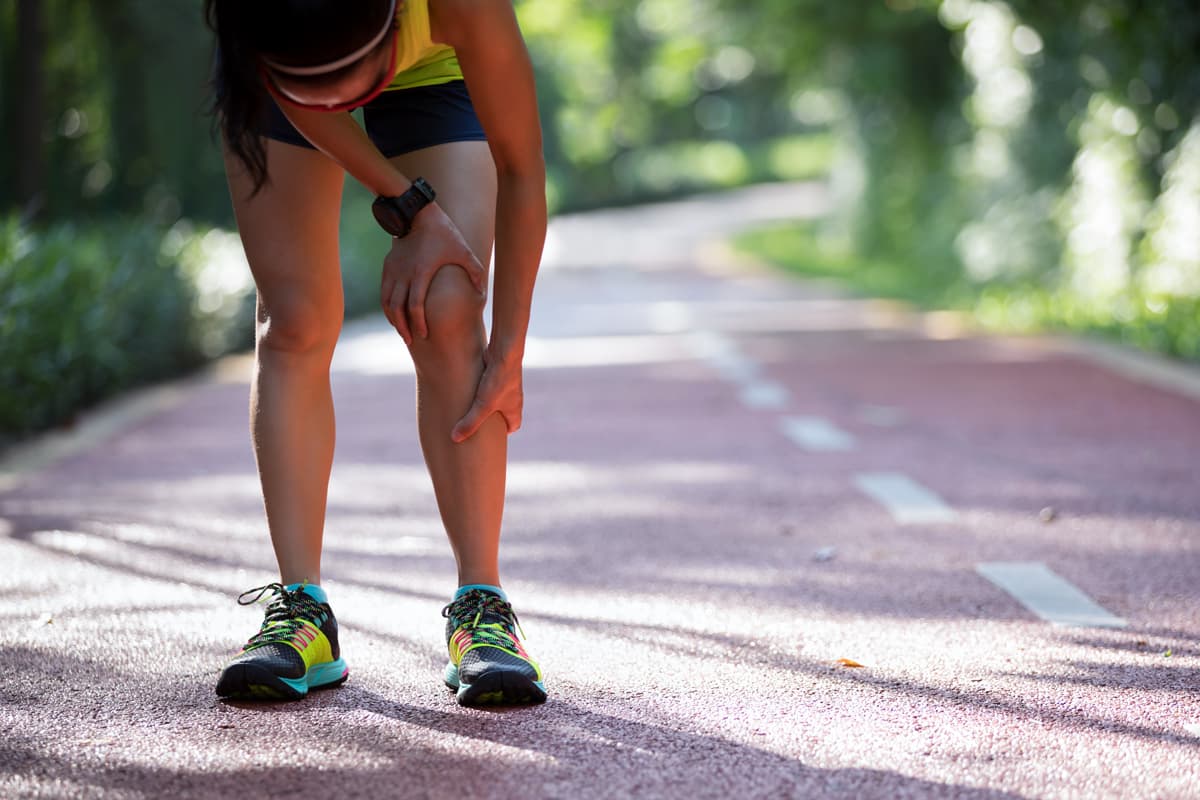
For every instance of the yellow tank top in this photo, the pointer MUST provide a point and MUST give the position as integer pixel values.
(419, 60)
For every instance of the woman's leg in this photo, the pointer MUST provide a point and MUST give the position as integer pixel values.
(290, 233)
(468, 478)
(487, 662)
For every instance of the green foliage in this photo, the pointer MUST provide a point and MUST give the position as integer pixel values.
(1037, 162)
(363, 246)
(642, 99)
(629, 91)
(125, 127)
(86, 311)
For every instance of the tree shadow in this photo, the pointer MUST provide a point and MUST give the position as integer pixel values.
(1162, 677)
(554, 750)
(576, 749)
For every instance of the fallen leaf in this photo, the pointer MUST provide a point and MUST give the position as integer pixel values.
(848, 662)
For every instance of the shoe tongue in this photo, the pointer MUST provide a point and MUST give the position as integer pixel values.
(482, 603)
(291, 605)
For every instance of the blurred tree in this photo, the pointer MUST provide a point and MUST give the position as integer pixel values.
(122, 98)
(1037, 152)
(970, 132)
(650, 97)
(29, 106)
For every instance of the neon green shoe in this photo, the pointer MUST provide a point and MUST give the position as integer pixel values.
(295, 650)
(488, 664)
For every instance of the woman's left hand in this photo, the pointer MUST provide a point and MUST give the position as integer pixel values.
(499, 391)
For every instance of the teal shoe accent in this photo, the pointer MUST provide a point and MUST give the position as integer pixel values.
(492, 667)
(328, 673)
(321, 675)
(450, 676)
(496, 590)
(311, 589)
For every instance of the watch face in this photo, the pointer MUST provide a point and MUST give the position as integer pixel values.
(390, 218)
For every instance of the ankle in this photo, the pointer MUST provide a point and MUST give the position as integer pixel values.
(494, 588)
(490, 577)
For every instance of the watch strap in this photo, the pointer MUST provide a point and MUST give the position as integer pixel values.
(396, 214)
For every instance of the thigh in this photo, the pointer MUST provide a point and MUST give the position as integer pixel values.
(290, 228)
(464, 177)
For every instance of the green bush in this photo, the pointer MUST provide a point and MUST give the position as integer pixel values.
(88, 310)
(363, 247)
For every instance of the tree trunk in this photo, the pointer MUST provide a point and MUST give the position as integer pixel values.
(31, 103)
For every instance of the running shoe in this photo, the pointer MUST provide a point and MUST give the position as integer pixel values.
(488, 665)
(295, 650)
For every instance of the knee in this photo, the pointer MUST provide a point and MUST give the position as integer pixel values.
(300, 325)
(453, 308)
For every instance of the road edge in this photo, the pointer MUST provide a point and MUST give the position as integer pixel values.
(718, 257)
(713, 256)
(110, 418)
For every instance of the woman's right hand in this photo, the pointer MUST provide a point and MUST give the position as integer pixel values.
(434, 242)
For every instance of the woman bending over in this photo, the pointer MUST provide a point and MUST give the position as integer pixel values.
(452, 149)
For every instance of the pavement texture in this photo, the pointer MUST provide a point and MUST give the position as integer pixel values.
(696, 584)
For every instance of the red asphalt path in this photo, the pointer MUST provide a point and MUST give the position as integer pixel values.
(659, 547)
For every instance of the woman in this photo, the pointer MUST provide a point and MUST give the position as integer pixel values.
(449, 170)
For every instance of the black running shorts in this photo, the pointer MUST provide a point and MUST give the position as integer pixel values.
(401, 120)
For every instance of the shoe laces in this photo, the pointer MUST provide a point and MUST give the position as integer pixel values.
(489, 617)
(285, 614)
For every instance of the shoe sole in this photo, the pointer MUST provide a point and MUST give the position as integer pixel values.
(252, 682)
(496, 688)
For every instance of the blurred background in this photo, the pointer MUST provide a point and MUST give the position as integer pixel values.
(1035, 165)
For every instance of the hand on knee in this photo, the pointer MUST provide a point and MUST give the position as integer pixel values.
(453, 310)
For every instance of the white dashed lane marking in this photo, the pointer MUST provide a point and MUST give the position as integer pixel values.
(1047, 594)
(723, 355)
(1032, 584)
(906, 500)
(816, 434)
(764, 395)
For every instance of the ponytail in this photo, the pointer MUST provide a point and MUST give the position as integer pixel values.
(239, 99)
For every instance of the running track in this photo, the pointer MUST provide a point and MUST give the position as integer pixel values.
(728, 487)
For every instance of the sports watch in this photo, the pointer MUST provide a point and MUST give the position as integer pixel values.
(395, 214)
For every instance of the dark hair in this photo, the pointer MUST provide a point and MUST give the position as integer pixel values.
(293, 32)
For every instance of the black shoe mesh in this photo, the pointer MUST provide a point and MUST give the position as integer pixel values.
(484, 660)
(478, 609)
(285, 614)
(278, 659)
